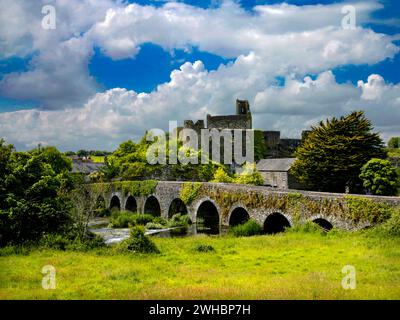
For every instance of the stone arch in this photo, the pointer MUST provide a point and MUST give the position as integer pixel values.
(207, 217)
(115, 203)
(275, 222)
(177, 206)
(131, 204)
(323, 223)
(237, 216)
(152, 206)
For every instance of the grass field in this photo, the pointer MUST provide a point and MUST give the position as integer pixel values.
(284, 266)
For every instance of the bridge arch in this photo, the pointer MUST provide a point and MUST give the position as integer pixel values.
(115, 203)
(177, 206)
(207, 217)
(276, 222)
(131, 204)
(152, 206)
(323, 223)
(238, 215)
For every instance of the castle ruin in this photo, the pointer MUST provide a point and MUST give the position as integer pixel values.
(276, 146)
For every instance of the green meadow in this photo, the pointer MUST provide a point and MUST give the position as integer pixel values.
(291, 265)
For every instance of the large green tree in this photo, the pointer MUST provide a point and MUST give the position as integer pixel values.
(379, 177)
(394, 142)
(33, 193)
(332, 154)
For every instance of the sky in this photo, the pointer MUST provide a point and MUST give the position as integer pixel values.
(112, 69)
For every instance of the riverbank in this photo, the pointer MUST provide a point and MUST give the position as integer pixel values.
(284, 266)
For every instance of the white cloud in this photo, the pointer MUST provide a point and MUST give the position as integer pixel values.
(119, 114)
(274, 40)
(373, 88)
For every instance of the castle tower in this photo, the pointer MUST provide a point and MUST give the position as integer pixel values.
(242, 107)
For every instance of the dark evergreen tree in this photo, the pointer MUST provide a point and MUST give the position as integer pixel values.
(332, 154)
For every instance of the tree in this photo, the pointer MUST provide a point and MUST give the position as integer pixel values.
(332, 154)
(33, 199)
(260, 148)
(249, 175)
(82, 153)
(379, 177)
(110, 169)
(394, 142)
(222, 176)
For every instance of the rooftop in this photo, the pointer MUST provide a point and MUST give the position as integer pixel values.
(280, 164)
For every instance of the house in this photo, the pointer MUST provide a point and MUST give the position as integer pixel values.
(276, 173)
(85, 167)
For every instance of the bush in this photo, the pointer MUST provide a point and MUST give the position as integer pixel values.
(143, 219)
(204, 248)
(179, 219)
(392, 226)
(121, 219)
(160, 221)
(307, 227)
(102, 212)
(154, 225)
(249, 175)
(379, 177)
(394, 142)
(125, 219)
(15, 250)
(55, 241)
(70, 242)
(138, 242)
(247, 229)
(222, 176)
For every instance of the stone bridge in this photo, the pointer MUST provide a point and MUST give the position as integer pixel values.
(218, 204)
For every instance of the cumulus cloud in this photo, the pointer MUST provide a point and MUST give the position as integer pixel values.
(272, 40)
(373, 88)
(119, 114)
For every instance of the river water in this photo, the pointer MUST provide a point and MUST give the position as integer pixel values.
(100, 227)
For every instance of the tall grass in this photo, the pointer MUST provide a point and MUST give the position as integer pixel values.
(247, 229)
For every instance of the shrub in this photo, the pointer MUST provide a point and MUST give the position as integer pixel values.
(121, 219)
(154, 225)
(71, 242)
(55, 241)
(222, 176)
(394, 142)
(307, 227)
(247, 229)
(102, 212)
(379, 177)
(143, 219)
(179, 219)
(15, 250)
(204, 248)
(124, 219)
(160, 221)
(249, 175)
(138, 242)
(392, 226)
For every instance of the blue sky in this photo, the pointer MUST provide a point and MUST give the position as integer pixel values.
(91, 63)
